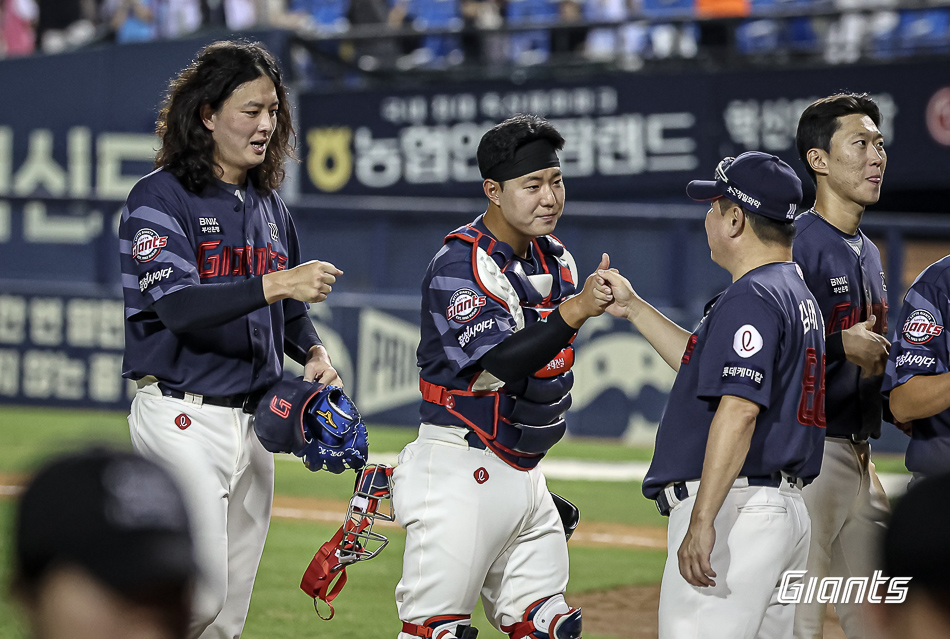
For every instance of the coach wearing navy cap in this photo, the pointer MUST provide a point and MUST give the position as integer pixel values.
(743, 428)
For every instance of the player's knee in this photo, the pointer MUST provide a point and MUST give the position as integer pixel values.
(548, 618)
(441, 627)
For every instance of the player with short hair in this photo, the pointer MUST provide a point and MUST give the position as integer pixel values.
(842, 147)
(917, 377)
(743, 425)
(500, 307)
(215, 296)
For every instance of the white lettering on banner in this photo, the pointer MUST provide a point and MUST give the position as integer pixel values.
(41, 171)
(95, 323)
(105, 377)
(771, 125)
(426, 154)
(9, 372)
(388, 376)
(624, 144)
(46, 321)
(794, 589)
(378, 162)
(52, 374)
(12, 319)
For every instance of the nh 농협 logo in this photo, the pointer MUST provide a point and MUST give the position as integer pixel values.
(795, 589)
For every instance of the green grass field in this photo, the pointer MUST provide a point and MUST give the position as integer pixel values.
(365, 609)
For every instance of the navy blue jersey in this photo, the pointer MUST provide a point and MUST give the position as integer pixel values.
(849, 287)
(920, 347)
(762, 340)
(464, 316)
(170, 238)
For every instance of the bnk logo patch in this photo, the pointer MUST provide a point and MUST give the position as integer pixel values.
(147, 244)
(183, 421)
(464, 305)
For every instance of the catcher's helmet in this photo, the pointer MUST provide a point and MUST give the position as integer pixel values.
(313, 421)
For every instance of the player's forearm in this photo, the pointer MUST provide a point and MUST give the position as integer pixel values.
(203, 306)
(528, 350)
(578, 310)
(300, 337)
(730, 436)
(276, 286)
(921, 396)
(666, 336)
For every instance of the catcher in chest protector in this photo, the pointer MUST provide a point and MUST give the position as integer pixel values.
(501, 304)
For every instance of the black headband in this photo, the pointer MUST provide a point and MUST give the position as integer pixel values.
(533, 156)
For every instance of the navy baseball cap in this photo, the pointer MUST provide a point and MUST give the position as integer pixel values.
(756, 181)
(115, 514)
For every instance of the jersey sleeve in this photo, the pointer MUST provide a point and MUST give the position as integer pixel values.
(742, 344)
(293, 309)
(156, 255)
(920, 344)
(470, 322)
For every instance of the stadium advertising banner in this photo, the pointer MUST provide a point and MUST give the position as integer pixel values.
(628, 135)
(63, 350)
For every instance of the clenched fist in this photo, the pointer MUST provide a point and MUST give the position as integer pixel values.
(310, 282)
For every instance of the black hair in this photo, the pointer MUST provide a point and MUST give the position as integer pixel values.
(765, 228)
(187, 146)
(501, 141)
(819, 122)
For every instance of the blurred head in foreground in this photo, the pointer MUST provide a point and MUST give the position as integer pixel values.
(916, 546)
(103, 550)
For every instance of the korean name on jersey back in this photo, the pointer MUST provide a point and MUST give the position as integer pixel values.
(147, 244)
(153, 276)
(921, 327)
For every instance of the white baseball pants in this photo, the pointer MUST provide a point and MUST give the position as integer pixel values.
(228, 482)
(849, 513)
(761, 532)
(474, 525)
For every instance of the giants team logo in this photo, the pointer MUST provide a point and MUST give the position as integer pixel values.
(147, 244)
(183, 421)
(464, 305)
(280, 406)
(481, 475)
(921, 327)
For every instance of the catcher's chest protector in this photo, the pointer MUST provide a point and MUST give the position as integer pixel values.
(520, 425)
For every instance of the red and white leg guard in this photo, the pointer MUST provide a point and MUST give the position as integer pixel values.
(440, 627)
(549, 618)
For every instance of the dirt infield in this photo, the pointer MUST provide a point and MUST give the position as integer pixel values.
(630, 613)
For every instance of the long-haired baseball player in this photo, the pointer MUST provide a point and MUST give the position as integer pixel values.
(501, 303)
(743, 427)
(842, 147)
(215, 295)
